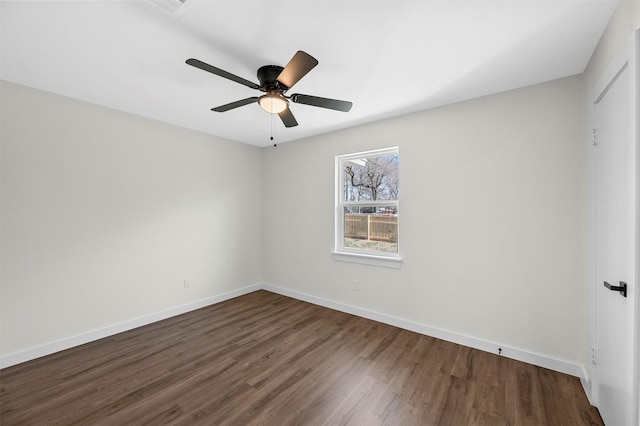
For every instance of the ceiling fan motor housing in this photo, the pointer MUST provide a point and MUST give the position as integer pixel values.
(268, 78)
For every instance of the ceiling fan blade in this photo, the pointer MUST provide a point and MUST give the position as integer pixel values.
(287, 118)
(222, 73)
(334, 104)
(236, 104)
(298, 67)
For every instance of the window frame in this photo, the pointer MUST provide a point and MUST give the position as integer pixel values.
(351, 254)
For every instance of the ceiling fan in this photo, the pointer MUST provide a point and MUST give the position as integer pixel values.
(275, 81)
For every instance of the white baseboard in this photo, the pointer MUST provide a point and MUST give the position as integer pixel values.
(507, 351)
(81, 339)
(484, 345)
(586, 385)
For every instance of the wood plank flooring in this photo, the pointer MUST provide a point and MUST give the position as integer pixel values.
(265, 359)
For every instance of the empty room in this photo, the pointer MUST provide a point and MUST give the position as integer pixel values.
(319, 212)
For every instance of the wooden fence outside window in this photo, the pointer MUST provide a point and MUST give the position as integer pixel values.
(371, 227)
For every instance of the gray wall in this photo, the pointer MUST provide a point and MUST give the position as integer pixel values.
(104, 214)
(493, 219)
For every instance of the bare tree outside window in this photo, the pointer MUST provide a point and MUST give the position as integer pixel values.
(374, 178)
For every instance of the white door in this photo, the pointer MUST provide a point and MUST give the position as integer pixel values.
(615, 123)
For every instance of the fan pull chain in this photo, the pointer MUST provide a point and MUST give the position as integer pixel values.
(273, 128)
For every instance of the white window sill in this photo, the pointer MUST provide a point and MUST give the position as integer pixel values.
(367, 259)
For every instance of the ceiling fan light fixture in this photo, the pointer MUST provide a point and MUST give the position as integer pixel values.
(273, 103)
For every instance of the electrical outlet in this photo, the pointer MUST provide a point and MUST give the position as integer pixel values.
(187, 283)
(356, 285)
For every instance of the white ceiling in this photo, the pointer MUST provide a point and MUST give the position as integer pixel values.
(387, 57)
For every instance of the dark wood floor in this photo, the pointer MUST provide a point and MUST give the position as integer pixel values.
(270, 360)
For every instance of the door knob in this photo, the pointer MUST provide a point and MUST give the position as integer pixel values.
(622, 288)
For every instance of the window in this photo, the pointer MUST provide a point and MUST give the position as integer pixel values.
(367, 207)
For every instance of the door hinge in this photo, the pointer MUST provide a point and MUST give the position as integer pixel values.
(594, 136)
(593, 356)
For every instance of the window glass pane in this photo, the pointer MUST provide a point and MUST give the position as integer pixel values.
(371, 178)
(371, 228)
